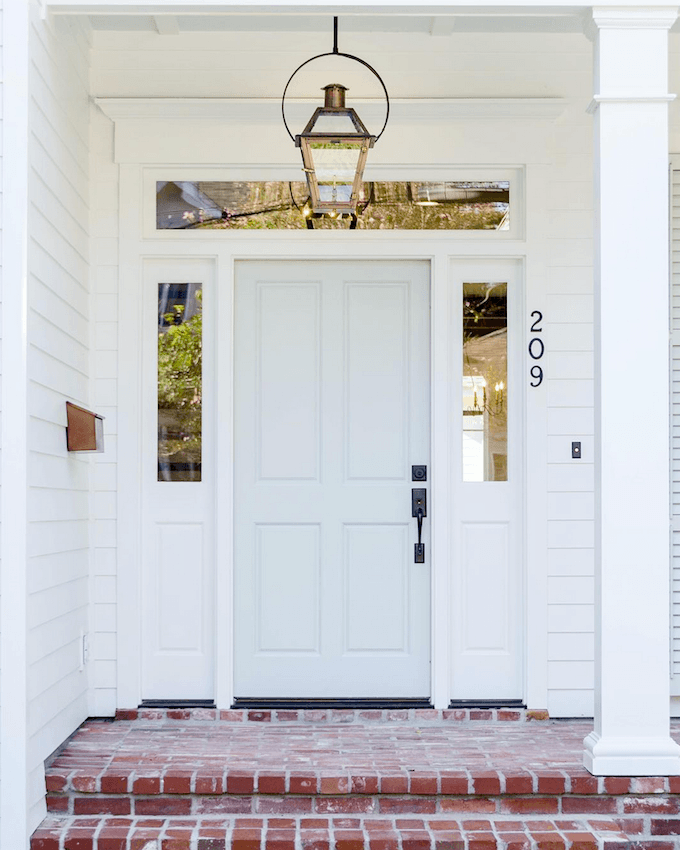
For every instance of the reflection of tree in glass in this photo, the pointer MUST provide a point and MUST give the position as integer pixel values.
(180, 389)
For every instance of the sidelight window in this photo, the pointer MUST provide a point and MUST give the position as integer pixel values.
(180, 355)
(485, 382)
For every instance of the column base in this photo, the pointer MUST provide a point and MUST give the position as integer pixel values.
(631, 756)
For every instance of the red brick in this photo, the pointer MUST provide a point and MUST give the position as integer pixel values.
(631, 826)
(101, 806)
(383, 840)
(651, 805)
(674, 784)
(85, 783)
(665, 826)
(220, 805)
(589, 805)
(393, 784)
(204, 714)
(370, 715)
(114, 783)
(334, 784)
(482, 843)
(349, 839)
(477, 805)
(126, 714)
(584, 784)
(551, 784)
(344, 805)
(209, 784)
(112, 840)
(487, 783)
(364, 784)
(271, 783)
(529, 805)
(415, 840)
(179, 714)
(449, 841)
(260, 716)
(397, 714)
(454, 783)
(44, 842)
(232, 716)
(76, 840)
(176, 783)
(476, 825)
(55, 782)
(429, 715)
(280, 839)
(57, 803)
(240, 782)
(303, 783)
(519, 784)
(454, 714)
(316, 715)
(146, 785)
(407, 805)
(276, 805)
(480, 714)
(504, 714)
(163, 806)
(287, 716)
(617, 784)
(647, 785)
(281, 823)
(315, 839)
(342, 715)
(421, 784)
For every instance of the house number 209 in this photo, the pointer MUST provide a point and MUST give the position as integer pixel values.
(536, 348)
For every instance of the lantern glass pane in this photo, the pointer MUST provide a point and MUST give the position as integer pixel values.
(339, 123)
(335, 163)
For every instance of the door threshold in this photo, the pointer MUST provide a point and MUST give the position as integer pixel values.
(486, 703)
(293, 703)
(177, 703)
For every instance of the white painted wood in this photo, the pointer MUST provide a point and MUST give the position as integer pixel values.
(675, 426)
(486, 558)
(178, 581)
(331, 410)
(631, 733)
(14, 793)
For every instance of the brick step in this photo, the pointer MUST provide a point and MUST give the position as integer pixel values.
(337, 833)
(335, 715)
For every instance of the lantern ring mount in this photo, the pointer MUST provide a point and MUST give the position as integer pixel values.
(336, 52)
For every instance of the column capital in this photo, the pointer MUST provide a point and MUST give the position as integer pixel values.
(634, 17)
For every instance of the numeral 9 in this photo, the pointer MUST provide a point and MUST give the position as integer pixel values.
(537, 373)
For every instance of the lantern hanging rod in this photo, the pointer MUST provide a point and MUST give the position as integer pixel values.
(336, 52)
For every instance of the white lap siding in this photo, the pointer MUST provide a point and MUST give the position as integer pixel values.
(58, 370)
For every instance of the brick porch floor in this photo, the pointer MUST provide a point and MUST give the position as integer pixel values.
(341, 781)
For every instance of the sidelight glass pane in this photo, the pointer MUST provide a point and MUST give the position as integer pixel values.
(485, 382)
(180, 379)
(278, 205)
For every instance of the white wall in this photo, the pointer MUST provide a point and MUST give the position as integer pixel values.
(59, 370)
(243, 64)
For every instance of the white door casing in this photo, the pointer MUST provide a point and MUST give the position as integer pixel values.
(331, 410)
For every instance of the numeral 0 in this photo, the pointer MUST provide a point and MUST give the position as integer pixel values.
(536, 348)
(537, 373)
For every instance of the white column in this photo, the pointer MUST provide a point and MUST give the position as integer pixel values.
(630, 106)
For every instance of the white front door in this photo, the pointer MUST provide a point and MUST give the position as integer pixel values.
(332, 400)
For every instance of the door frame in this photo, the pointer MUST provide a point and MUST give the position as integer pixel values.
(436, 248)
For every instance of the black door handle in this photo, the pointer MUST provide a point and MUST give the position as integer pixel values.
(419, 511)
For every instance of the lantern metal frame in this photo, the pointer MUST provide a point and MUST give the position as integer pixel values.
(302, 139)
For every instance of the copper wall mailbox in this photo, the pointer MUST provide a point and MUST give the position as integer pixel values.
(84, 429)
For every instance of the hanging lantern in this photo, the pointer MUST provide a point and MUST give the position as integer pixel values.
(334, 146)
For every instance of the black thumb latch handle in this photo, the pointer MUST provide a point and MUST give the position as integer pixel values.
(419, 511)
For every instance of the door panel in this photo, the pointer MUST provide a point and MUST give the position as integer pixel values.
(331, 410)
